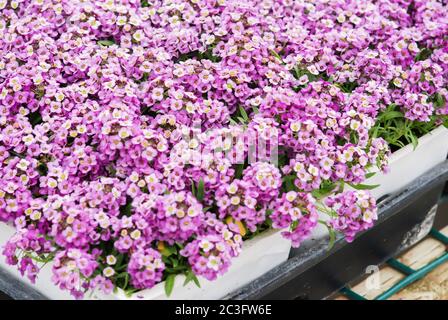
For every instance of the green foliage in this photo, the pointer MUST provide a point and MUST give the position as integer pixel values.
(276, 55)
(129, 292)
(124, 276)
(244, 114)
(347, 87)
(16, 154)
(144, 78)
(288, 183)
(398, 131)
(260, 229)
(331, 232)
(239, 168)
(423, 54)
(200, 192)
(370, 175)
(207, 55)
(190, 276)
(326, 188)
(299, 72)
(127, 208)
(42, 169)
(364, 186)
(168, 251)
(169, 284)
(240, 117)
(43, 258)
(35, 118)
(332, 241)
(255, 110)
(106, 43)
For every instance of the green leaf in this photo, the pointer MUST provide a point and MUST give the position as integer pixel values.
(168, 251)
(239, 170)
(370, 175)
(40, 258)
(106, 43)
(317, 194)
(130, 292)
(233, 122)
(174, 270)
(120, 258)
(180, 245)
(241, 120)
(126, 280)
(123, 267)
(392, 106)
(413, 139)
(275, 54)
(16, 154)
(391, 115)
(144, 78)
(439, 100)
(244, 114)
(294, 225)
(325, 189)
(121, 275)
(188, 277)
(169, 284)
(175, 262)
(364, 186)
(196, 281)
(39, 92)
(200, 190)
(193, 188)
(423, 54)
(268, 220)
(127, 208)
(332, 234)
(35, 118)
(289, 182)
(375, 131)
(289, 178)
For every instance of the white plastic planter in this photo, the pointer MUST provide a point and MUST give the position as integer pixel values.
(405, 165)
(258, 256)
(408, 164)
(43, 283)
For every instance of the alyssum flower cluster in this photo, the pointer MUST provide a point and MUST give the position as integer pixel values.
(97, 97)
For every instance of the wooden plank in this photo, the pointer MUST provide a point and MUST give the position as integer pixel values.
(409, 295)
(445, 231)
(422, 253)
(440, 274)
(432, 287)
(387, 278)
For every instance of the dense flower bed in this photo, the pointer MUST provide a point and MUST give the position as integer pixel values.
(127, 127)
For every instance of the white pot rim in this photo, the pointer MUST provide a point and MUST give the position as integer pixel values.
(427, 138)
